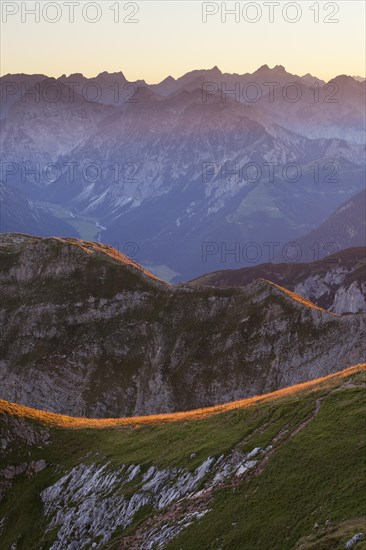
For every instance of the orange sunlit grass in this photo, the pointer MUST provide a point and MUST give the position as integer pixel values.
(92, 247)
(299, 298)
(64, 421)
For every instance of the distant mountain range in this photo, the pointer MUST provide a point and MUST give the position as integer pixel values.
(189, 161)
(87, 331)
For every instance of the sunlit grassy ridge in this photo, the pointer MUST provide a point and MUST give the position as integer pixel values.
(315, 473)
(79, 423)
(298, 298)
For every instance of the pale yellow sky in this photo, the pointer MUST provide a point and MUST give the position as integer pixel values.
(170, 37)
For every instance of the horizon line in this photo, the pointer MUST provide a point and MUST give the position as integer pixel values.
(264, 66)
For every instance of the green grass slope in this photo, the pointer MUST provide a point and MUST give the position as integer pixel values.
(307, 492)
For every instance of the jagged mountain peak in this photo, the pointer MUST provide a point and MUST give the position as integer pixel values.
(264, 67)
(114, 73)
(168, 79)
(74, 75)
(280, 69)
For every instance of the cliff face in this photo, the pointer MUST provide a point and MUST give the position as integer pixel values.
(87, 332)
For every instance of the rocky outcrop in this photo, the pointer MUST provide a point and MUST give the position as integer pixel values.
(351, 299)
(28, 469)
(88, 332)
(354, 540)
(88, 503)
(337, 290)
(16, 431)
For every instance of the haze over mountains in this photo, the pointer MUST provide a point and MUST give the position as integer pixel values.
(345, 228)
(175, 166)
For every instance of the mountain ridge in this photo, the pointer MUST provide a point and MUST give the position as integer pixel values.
(60, 420)
(90, 336)
(336, 283)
